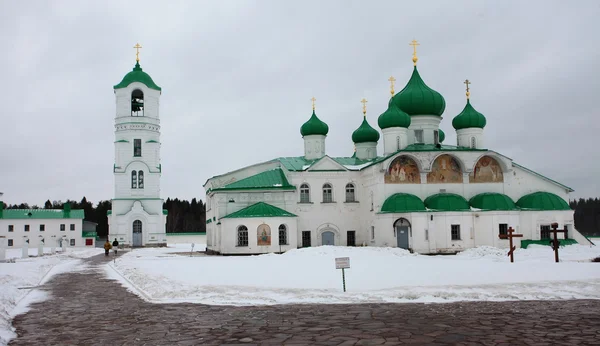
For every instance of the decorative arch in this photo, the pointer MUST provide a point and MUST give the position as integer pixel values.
(403, 169)
(495, 156)
(446, 169)
(328, 227)
(486, 170)
(139, 161)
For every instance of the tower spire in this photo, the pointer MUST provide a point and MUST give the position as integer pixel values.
(313, 102)
(467, 84)
(414, 43)
(392, 80)
(137, 52)
(364, 102)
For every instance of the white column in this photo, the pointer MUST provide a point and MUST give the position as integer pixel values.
(53, 241)
(41, 247)
(25, 249)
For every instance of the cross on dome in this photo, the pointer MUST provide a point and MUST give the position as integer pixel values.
(137, 52)
(414, 43)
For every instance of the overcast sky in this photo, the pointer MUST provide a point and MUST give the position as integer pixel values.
(237, 78)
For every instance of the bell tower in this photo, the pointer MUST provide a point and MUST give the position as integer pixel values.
(137, 217)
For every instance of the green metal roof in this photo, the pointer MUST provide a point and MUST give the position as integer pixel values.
(365, 133)
(41, 214)
(393, 117)
(260, 209)
(402, 203)
(273, 179)
(418, 99)
(492, 201)
(468, 118)
(314, 126)
(447, 202)
(542, 201)
(137, 75)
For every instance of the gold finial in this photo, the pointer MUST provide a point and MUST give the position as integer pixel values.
(414, 43)
(467, 83)
(392, 80)
(137, 52)
(364, 102)
(313, 102)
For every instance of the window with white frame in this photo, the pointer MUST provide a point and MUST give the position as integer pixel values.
(10, 242)
(72, 227)
(11, 228)
(242, 236)
(282, 235)
(327, 193)
(502, 229)
(140, 179)
(350, 196)
(26, 228)
(133, 179)
(62, 227)
(42, 228)
(418, 136)
(455, 232)
(304, 193)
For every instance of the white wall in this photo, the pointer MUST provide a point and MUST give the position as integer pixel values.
(228, 235)
(186, 239)
(52, 228)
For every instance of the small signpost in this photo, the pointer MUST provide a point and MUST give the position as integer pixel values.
(342, 263)
(555, 242)
(510, 235)
(192, 250)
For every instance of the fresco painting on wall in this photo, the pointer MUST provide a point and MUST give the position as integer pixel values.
(403, 170)
(445, 170)
(263, 235)
(487, 170)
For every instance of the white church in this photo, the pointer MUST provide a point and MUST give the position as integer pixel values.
(419, 194)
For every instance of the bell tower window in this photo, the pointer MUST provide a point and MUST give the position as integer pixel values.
(137, 103)
(140, 179)
(133, 179)
(137, 147)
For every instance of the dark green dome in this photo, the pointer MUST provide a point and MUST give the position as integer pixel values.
(492, 201)
(447, 202)
(314, 126)
(402, 203)
(542, 201)
(365, 133)
(418, 99)
(441, 135)
(393, 117)
(468, 118)
(137, 75)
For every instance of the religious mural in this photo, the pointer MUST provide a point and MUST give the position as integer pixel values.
(263, 235)
(403, 170)
(445, 170)
(487, 170)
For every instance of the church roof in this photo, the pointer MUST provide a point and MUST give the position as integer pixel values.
(447, 202)
(365, 133)
(402, 203)
(314, 126)
(418, 99)
(137, 75)
(393, 117)
(542, 201)
(41, 214)
(260, 209)
(273, 179)
(468, 118)
(492, 201)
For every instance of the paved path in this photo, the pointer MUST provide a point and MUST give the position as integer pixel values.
(82, 311)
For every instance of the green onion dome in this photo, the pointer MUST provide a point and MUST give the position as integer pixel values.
(441, 135)
(393, 117)
(365, 133)
(314, 126)
(468, 118)
(418, 99)
(137, 75)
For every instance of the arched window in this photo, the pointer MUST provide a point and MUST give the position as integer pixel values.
(327, 193)
(350, 196)
(473, 143)
(137, 103)
(133, 179)
(282, 235)
(242, 236)
(137, 226)
(304, 193)
(140, 179)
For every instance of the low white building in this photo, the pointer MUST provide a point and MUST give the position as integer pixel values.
(46, 226)
(420, 194)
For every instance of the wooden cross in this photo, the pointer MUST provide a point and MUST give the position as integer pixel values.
(313, 102)
(364, 102)
(414, 43)
(554, 242)
(510, 235)
(137, 52)
(392, 80)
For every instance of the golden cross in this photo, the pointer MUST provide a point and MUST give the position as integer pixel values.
(313, 102)
(364, 102)
(414, 43)
(137, 52)
(467, 83)
(392, 80)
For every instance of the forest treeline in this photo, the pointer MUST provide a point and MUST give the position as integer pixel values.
(183, 216)
(587, 216)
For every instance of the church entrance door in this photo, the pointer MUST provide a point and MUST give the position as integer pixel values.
(328, 238)
(137, 233)
(402, 227)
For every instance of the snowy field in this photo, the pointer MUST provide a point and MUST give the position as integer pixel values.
(376, 275)
(17, 276)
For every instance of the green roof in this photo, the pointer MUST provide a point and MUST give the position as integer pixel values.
(314, 126)
(137, 75)
(402, 203)
(393, 117)
(273, 179)
(418, 99)
(41, 214)
(492, 201)
(441, 135)
(542, 201)
(260, 209)
(365, 133)
(447, 202)
(468, 118)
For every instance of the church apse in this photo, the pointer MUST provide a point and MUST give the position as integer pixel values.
(487, 170)
(403, 170)
(263, 235)
(445, 170)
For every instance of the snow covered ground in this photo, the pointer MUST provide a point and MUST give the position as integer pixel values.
(16, 276)
(376, 275)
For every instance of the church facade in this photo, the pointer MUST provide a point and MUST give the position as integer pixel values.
(137, 217)
(420, 194)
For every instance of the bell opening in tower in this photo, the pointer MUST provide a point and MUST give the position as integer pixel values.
(137, 103)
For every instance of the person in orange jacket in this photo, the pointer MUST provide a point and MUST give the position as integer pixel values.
(107, 247)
